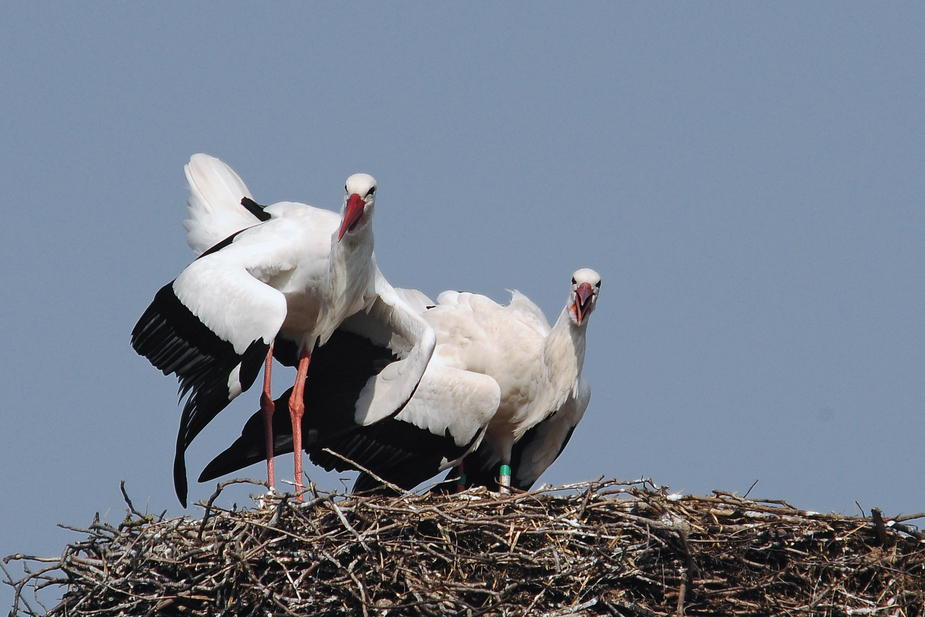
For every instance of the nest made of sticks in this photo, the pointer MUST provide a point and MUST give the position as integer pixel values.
(594, 548)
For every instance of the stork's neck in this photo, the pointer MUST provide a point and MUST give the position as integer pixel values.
(359, 239)
(564, 352)
(351, 259)
(349, 280)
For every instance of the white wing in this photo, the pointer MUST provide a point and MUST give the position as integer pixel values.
(390, 321)
(529, 313)
(416, 300)
(540, 446)
(443, 422)
(229, 301)
(452, 401)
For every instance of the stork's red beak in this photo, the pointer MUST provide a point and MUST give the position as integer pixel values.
(352, 214)
(583, 296)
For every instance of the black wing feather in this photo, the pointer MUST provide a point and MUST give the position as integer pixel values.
(480, 471)
(338, 371)
(396, 451)
(254, 208)
(176, 341)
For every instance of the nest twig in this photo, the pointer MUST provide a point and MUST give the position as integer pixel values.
(596, 548)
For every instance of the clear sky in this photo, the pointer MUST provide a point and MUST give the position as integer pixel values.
(746, 177)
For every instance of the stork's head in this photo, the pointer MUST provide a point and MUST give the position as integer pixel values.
(586, 283)
(358, 203)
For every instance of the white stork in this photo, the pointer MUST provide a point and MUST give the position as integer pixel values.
(543, 395)
(290, 274)
(483, 350)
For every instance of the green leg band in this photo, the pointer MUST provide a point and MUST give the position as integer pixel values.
(504, 481)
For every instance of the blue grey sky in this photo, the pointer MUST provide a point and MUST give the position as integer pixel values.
(746, 177)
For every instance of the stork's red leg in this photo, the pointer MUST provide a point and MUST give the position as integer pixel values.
(267, 406)
(296, 410)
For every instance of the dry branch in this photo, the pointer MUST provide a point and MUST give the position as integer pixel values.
(598, 548)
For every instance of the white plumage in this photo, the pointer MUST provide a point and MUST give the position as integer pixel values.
(443, 421)
(214, 205)
(289, 272)
(500, 368)
(537, 367)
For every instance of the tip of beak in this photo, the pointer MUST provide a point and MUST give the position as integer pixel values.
(352, 213)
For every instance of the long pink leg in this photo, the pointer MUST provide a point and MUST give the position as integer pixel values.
(296, 410)
(267, 406)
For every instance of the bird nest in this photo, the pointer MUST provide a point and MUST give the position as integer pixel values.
(597, 548)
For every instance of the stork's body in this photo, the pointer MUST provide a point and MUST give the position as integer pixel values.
(538, 369)
(498, 370)
(443, 421)
(295, 274)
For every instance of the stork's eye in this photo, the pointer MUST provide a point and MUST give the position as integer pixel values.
(346, 189)
(574, 282)
(598, 285)
(372, 191)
